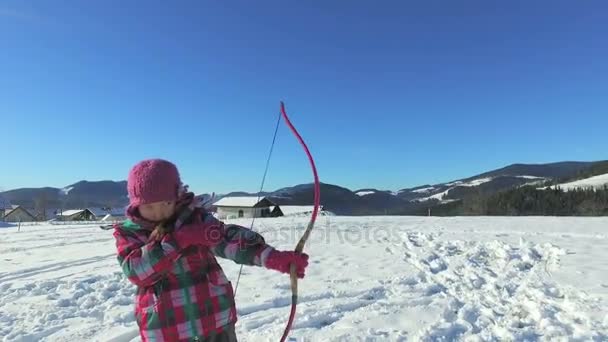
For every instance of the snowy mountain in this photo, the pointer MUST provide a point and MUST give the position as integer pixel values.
(459, 189)
(340, 200)
(509, 177)
(371, 201)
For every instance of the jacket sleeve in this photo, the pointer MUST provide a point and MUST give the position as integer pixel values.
(239, 244)
(144, 264)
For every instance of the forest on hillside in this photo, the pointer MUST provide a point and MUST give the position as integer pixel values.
(530, 200)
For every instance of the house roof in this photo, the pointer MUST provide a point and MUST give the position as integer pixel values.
(8, 211)
(243, 201)
(98, 212)
(70, 212)
(15, 207)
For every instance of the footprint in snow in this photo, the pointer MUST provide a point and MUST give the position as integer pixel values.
(436, 264)
(434, 289)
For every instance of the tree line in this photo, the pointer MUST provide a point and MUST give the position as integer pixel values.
(529, 200)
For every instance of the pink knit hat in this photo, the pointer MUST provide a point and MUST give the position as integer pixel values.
(153, 180)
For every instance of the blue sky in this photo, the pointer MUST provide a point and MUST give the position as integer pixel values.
(387, 94)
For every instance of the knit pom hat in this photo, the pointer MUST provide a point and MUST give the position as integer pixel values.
(153, 180)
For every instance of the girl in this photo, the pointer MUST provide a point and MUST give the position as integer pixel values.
(167, 248)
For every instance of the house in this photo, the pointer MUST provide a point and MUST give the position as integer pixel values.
(17, 213)
(76, 215)
(247, 206)
(294, 210)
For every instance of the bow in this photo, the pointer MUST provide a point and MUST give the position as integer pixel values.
(311, 223)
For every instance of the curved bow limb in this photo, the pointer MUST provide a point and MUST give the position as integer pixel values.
(300, 246)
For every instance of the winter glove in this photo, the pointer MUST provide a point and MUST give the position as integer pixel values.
(198, 234)
(281, 260)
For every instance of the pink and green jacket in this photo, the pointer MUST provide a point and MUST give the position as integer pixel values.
(184, 295)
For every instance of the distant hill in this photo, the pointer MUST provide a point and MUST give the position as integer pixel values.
(77, 195)
(340, 200)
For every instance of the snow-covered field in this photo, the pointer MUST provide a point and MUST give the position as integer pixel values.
(370, 279)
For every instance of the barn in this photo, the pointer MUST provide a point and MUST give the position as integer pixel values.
(76, 215)
(17, 213)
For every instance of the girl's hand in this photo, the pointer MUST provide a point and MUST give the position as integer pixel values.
(198, 234)
(281, 261)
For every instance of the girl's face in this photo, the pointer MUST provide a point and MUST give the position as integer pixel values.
(157, 211)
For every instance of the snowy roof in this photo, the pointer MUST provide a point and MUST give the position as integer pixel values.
(244, 201)
(9, 209)
(297, 209)
(71, 212)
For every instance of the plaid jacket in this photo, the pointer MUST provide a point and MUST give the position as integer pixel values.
(183, 295)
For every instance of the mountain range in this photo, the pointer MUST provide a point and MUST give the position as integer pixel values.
(334, 198)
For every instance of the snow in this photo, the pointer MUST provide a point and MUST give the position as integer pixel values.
(592, 182)
(239, 201)
(111, 218)
(66, 190)
(477, 182)
(364, 193)
(424, 190)
(438, 196)
(531, 177)
(441, 195)
(370, 279)
(472, 183)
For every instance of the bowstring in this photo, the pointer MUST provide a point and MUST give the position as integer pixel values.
(274, 138)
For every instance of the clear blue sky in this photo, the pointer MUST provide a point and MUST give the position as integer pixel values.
(387, 94)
